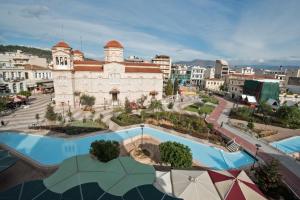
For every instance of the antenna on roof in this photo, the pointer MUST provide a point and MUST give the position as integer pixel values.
(62, 32)
(80, 43)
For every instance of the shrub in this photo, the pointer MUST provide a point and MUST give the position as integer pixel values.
(50, 114)
(176, 154)
(250, 124)
(25, 93)
(105, 150)
(268, 176)
(242, 113)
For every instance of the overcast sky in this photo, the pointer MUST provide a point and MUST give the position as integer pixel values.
(242, 31)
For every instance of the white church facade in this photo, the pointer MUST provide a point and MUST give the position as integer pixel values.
(110, 81)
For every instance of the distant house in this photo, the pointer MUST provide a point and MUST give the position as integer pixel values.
(294, 85)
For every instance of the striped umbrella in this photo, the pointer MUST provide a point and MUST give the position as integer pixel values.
(235, 185)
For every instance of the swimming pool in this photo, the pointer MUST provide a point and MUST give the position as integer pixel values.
(289, 145)
(52, 151)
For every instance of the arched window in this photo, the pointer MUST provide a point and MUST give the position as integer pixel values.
(57, 60)
(66, 61)
(61, 62)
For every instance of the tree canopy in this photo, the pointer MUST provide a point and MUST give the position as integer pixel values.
(176, 154)
(25, 93)
(176, 86)
(87, 100)
(50, 114)
(268, 176)
(169, 88)
(128, 108)
(105, 150)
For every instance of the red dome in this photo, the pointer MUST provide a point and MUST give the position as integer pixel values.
(113, 44)
(77, 52)
(62, 44)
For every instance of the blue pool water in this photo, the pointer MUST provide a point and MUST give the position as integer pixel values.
(289, 145)
(52, 150)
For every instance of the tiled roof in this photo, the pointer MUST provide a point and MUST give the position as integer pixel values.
(142, 70)
(88, 62)
(62, 44)
(114, 44)
(77, 52)
(88, 68)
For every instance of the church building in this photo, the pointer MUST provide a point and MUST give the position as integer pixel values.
(110, 81)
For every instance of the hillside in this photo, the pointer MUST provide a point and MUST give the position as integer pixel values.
(30, 50)
(198, 62)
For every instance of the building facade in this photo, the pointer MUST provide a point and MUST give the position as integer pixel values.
(165, 63)
(221, 69)
(213, 84)
(110, 81)
(209, 73)
(197, 75)
(21, 72)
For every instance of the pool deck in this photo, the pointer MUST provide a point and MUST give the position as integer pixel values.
(288, 167)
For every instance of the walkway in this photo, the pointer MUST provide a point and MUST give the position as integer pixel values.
(22, 118)
(289, 168)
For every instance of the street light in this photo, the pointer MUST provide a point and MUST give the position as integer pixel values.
(142, 127)
(257, 148)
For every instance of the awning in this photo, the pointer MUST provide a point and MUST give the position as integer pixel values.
(153, 92)
(193, 184)
(163, 182)
(6, 160)
(114, 91)
(117, 176)
(235, 184)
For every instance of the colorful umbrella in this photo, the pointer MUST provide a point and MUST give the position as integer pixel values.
(235, 185)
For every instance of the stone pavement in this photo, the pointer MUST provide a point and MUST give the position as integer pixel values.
(22, 118)
(289, 168)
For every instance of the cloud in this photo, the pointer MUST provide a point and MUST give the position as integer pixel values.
(203, 29)
(35, 11)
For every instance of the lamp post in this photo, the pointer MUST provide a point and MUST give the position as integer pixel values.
(142, 127)
(257, 148)
(63, 106)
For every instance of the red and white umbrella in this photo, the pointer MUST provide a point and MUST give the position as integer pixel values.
(235, 185)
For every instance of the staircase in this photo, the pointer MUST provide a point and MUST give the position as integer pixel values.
(232, 146)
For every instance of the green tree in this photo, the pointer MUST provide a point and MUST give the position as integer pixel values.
(265, 109)
(224, 88)
(176, 86)
(70, 114)
(127, 106)
(105, 150)
(25, 93)
(169, 88)
(50, 114)
(290, 115)
(87, 101)
(268, 176)
(176, 154)
(3, 103)
(156, 106)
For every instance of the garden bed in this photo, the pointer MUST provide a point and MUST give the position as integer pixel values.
(75, 128)
(200, 108)
(183, 123)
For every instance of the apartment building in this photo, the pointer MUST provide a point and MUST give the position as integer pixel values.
(221, 68)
